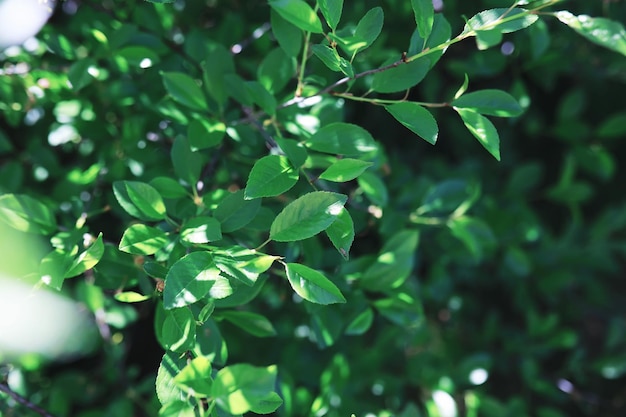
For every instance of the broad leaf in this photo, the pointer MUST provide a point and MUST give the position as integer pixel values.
(374, 188)
(490, 102)
(87, 259)
(202, 134)
(276, 70)
(402, 77)
(253, 323)
(184, 89)
(241, 388)
(215, 67)
(415, 118)
(345, 170)
(270, 176)
(424, 16)
(298, 13)
(123, 198)
(394, 264)
(361, 323)
(482, 129)
(312, 285)
(195, 378)
(166, 389)
(146, 198)
(202, 229)
(342, 138)
(234, 211)
(307, 216)
(187, 164)
(504, 20)
(189, 280)
(331, 10)
(604, 32)
(168, 187)
(26, 214)
(261, 97)
(289, 37)
(341, 233)
(369, 27)
(179, 330)
(295, 151)
(140, 239)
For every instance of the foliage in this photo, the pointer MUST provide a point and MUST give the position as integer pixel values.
(233, 197)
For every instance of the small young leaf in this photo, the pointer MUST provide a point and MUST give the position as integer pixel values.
(26, 214)
(482, 129)
(131, 297)
(289, 37)
(506, 20)
(415, 118)
(196, 377)
(234, 211)
(463, 88)
(253, 323)
(490, 102)
(179, 330)
(298, 13)
(402, 77)
(203, 134)
(189, 280)
(344, 170)
(88, 259)
(331, 10)
(342, 138)
(201, 230)
(240, 388)
(307, 216)
(369, 27)
(601, 31)
(140, 239)
(341, 233)
(424, 16)
(184, 89)
(312, 285)
(270, 176)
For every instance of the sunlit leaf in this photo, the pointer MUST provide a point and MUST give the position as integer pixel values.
(189, 280)
(490, 102)
(270, 176)
(312, 285)
(26, 214)
(599, 30)
(482, 129)
(184, 89)
(240, 388)
(298, 13)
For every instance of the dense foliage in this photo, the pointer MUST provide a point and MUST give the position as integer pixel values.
(216, 208)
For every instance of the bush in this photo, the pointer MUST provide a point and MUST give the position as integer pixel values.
(239, 204)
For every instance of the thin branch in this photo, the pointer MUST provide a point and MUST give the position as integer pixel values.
(23, 401)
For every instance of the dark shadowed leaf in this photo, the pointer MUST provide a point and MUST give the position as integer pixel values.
(415, 118)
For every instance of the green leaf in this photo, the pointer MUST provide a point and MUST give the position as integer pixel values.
(270, 176)
(140, 239)
(52, 268)
(184, 90)
(289, 37)
(237, 89)
(361, 323)
(601, 31)
(242, 295)
(216, 66)
(331, 10)
(177, 408)
(505, 20)
(448, 197)
(312, 285)
(276, 70)
(195, 378)
(166, 389)
(187, 164)
(474, 233)
(374, 188)
(179, 330)
(203, 134)
(341, 233)
(168, 187)
(261, 97)
(161, 1)
(490, 102)
(440, 33)
(131, 297)
(369, 27)
(415, 118)
(463, 88)
(345, 170)
(342, 138)
(424, 16)
(402, 77)
(201, 230)
(482, 129)
(78, 75)
(235, 212)
(253, 323)
(189, 280)
(87, 259)
(146, 198)
(295, 151)
(241, 388)
(394, 264)
(485, 39)
(329, 56)
(307, 216)
(298, 13)
(26, 214)
(242, 264)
